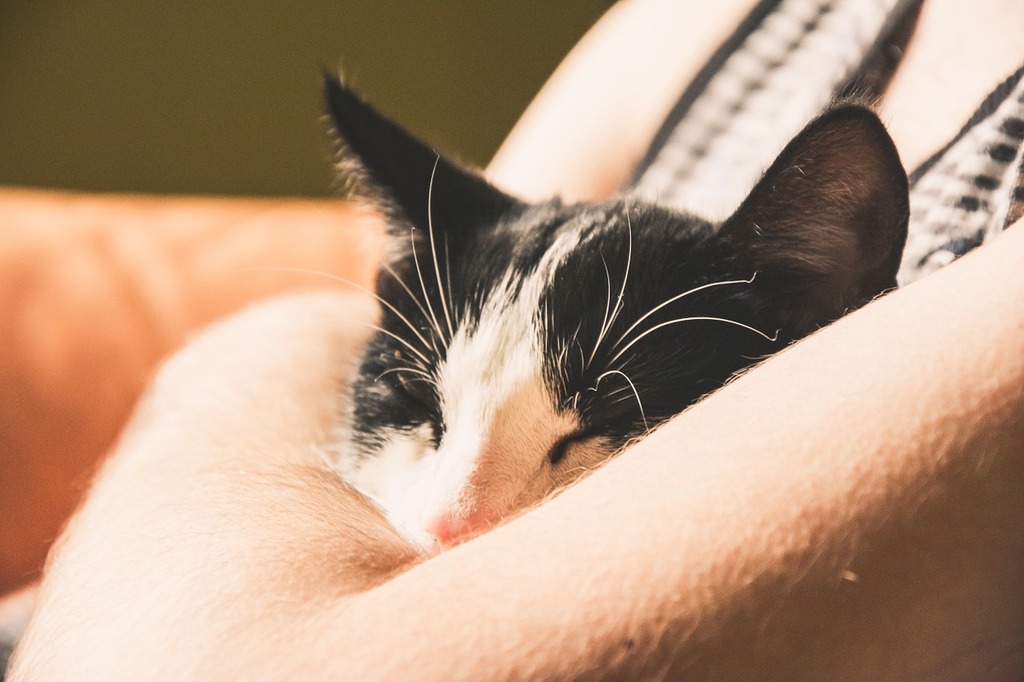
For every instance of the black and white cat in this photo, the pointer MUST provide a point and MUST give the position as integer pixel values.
(521, 345)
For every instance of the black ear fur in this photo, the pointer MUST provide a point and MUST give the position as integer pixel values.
(825, 226)
(396, 170)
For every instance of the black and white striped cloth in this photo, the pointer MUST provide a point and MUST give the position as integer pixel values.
(972, 189)
(786, 61)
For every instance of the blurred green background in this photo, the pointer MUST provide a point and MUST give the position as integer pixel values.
(224, 97)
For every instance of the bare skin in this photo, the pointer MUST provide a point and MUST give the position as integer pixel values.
(97, 291)
(865, 521)
(592, 156)
(160, 268)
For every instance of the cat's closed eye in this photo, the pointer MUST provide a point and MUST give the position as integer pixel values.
(413, 388)
(561, 447)
(417, 389)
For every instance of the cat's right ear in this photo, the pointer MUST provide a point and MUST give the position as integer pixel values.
(411, 183)
(825, 226)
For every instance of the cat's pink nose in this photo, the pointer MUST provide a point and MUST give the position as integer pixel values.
(450, 530)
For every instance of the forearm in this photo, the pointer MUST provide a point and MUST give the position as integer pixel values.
(851, 509)
(588, 127)
(851, 506)
(216, 509)
(97, 289)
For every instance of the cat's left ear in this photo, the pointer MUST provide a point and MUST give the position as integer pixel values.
(410, 182)
(825, 226)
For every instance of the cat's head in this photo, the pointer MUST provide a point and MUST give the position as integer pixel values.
(520, 345)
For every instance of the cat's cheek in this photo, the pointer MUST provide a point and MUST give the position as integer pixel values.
(542, 486)
(392, 476)
(550, 480)
(580, 459)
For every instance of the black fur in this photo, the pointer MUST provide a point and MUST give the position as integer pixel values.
(820, 234)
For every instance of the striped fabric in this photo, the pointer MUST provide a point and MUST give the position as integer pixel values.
(972, 189)
(784, 64)
(783, 72)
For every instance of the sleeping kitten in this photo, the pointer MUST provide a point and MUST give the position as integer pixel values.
(521, 345)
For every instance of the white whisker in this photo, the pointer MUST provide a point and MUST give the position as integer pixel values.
(410, 370)
(607, 309)
(563, 363)
(348, 282)
(579, 346)
(423, 286)
(612, 394)
(433, 250)
(625, 278)
(580, 469)
(404, 342)
(383, 266)
(448, 275)
(635, 393)
(695, 318)
(419, 306)
(560, 361)
(676, 298)
(609, 320)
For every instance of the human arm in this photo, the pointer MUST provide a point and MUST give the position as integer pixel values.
(78, 355)
(592, 121)
(984, 535)
(97, 289)
(865, 521)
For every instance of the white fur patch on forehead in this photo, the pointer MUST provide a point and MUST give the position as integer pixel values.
(556, 254)
(500, 415)
(487, 365)
(503, 351)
